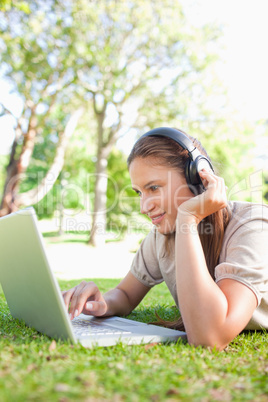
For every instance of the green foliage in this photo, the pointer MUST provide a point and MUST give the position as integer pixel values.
(144, 58)
(32, 367)
(7, 5)
(122, 201)
(74, 188)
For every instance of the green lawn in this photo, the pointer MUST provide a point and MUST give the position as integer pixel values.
(33, 368)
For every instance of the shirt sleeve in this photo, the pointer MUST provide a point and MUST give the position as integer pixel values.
(245, 256)
(145, 266)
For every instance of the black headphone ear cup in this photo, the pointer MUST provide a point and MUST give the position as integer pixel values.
(203, 163)
(192, 176)
(193, 173)
(187, 171)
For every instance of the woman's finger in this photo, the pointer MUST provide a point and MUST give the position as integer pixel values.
(206, 176)
(83, 293)
(67, 295)
(96, 308)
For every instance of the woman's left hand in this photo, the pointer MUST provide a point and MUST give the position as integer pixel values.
(207, 203)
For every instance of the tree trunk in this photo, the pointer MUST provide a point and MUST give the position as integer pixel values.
(12, 201)
(10, 187)
(36, 194)
(98, 228)
(17, 167)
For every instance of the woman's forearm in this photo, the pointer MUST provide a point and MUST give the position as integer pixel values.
(117, 303)
(126, 296)
(202, 304)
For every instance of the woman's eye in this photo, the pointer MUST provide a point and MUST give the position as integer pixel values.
(154, 188)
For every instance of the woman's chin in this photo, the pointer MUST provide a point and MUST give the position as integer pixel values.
(165, 229)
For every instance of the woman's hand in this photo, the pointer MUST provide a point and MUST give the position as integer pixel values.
(207, 203)
(84, 298)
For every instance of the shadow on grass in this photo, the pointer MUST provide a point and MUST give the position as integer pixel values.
(75, 237)
(51, 234)
(67, 237)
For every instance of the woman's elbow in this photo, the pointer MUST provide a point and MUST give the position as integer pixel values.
(209, 341)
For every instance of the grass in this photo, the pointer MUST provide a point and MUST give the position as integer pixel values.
(79, 237)
(67, 237)
(34, 368)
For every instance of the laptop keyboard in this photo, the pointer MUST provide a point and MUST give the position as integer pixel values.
(89, 328)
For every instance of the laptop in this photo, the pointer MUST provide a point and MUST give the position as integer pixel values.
(33, 294)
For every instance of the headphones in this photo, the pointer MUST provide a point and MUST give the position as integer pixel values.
(195, 162)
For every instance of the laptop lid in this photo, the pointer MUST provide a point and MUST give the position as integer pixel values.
(29, 286)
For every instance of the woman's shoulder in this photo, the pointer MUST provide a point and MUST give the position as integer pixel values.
(252, 215)
(246, 234)
(248, 210)
(153, 238)
(159, 244)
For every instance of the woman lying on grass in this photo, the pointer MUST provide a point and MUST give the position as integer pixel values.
(211, 253)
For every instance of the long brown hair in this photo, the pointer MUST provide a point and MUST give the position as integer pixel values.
(166, 152)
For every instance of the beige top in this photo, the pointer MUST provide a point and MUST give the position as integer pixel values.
(244, 257)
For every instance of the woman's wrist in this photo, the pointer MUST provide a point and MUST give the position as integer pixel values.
(186, 217)
(186, 223)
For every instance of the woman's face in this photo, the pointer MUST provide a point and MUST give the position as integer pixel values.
(162, 190)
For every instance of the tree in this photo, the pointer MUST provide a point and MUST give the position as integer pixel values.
(37, 66)
(141, 48)
(123, 58)
(17, 167)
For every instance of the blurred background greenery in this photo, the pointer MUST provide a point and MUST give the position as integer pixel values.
(85, 79)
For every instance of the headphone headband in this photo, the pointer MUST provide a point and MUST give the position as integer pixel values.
(196, 160)
(177, 136)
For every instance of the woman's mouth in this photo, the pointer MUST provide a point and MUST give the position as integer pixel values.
(157, 219)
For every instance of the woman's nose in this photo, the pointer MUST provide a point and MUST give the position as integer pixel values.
(146, 204)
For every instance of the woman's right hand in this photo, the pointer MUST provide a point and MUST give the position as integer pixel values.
(84, 298)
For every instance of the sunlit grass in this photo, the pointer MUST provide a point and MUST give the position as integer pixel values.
(34, 368)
